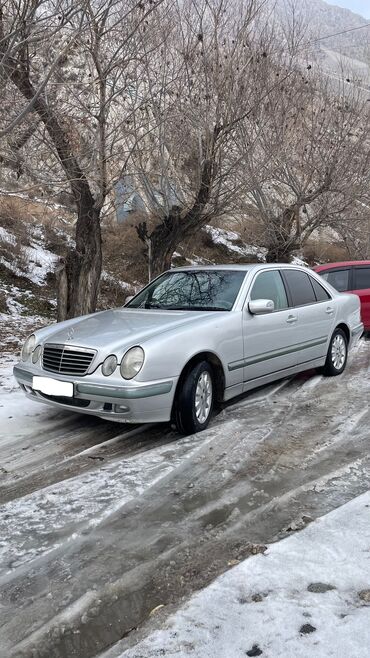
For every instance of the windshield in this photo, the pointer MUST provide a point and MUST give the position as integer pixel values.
(207, 290)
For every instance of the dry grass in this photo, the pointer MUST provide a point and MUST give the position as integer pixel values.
(321, 251)
(124, 254)
(35, 211)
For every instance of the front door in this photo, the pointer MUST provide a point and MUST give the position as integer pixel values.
(268, 338)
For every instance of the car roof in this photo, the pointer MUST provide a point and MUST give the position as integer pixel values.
(345, 263)
(243, 267)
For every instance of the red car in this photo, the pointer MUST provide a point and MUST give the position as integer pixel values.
(350, 276)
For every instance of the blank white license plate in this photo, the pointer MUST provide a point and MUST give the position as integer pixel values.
(53, 387)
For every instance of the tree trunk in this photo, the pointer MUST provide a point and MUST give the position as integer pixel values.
(174, 228)
(164, 241)
(78, 282)
(79, 279)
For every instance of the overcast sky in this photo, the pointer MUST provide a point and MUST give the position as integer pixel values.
(358, 6)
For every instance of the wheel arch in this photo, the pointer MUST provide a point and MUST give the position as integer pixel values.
(345, 329)
(215, 362)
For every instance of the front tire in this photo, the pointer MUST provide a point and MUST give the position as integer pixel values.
(194, 403)
(336, 359)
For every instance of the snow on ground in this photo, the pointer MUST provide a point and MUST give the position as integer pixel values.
(5, 236)
(15, 327)
(229, 239)
(41, 200)
(34, 262)
(109, 278)
(36, 524)
(40, 262)
(7, 381)
(16, 411)
(125, 515)
(298, 261)
(308, 595)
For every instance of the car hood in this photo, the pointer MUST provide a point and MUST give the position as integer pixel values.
(116, 330)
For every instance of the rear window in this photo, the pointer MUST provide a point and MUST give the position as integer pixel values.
(339, 279)
(361, 278)
(300, 287)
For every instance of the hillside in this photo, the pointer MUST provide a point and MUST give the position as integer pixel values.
(351, 50)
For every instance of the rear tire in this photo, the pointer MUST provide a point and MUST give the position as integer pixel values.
(336, 359)
(194, 402)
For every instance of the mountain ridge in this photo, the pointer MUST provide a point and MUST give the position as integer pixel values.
(339, 37)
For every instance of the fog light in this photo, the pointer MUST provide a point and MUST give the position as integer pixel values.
(120, 409)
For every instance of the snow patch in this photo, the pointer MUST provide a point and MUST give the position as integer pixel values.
(229, 238)
(5, 236)
(40, 262)
(37, 524)
(300, 598)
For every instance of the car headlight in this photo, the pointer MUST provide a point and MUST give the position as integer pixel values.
(28, 348)
(36, 354)
(132, 362)
(109, 365)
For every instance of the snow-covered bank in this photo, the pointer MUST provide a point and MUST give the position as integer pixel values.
(308, 595)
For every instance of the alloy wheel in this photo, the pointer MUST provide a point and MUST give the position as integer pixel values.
(338, 352)
(203, 397)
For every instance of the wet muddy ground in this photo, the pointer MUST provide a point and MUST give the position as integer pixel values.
(101, 523)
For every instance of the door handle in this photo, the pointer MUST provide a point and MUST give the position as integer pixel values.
(291, 319)
(329, 310)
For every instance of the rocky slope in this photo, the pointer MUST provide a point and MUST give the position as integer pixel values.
(324, 19)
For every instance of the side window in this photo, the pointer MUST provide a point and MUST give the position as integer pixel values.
(321, 294)
(362, 278)
(339, 279)
(269, 285)
(300, 287)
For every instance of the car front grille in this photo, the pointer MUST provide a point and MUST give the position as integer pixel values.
(66, 360)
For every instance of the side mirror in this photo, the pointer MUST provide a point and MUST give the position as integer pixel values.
(128, 299)
(261, 306)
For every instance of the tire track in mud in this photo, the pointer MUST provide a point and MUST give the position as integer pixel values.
(164, 568)
(38, 472)
(58, 453)
(243, 486)
(70, 444)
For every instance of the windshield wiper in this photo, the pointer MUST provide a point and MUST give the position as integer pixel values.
(152, 305)
(196, 308)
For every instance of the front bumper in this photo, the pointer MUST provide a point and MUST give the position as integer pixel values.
(134, 402)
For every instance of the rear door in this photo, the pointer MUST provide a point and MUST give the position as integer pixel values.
(315, 313)
(361, 286)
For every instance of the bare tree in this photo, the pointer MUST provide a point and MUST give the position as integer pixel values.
(84, 103)
(199, 93)
(303, 157)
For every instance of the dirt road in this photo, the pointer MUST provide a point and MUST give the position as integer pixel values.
(100, 523)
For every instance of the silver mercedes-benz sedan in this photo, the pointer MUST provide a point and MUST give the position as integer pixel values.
(191, 339)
